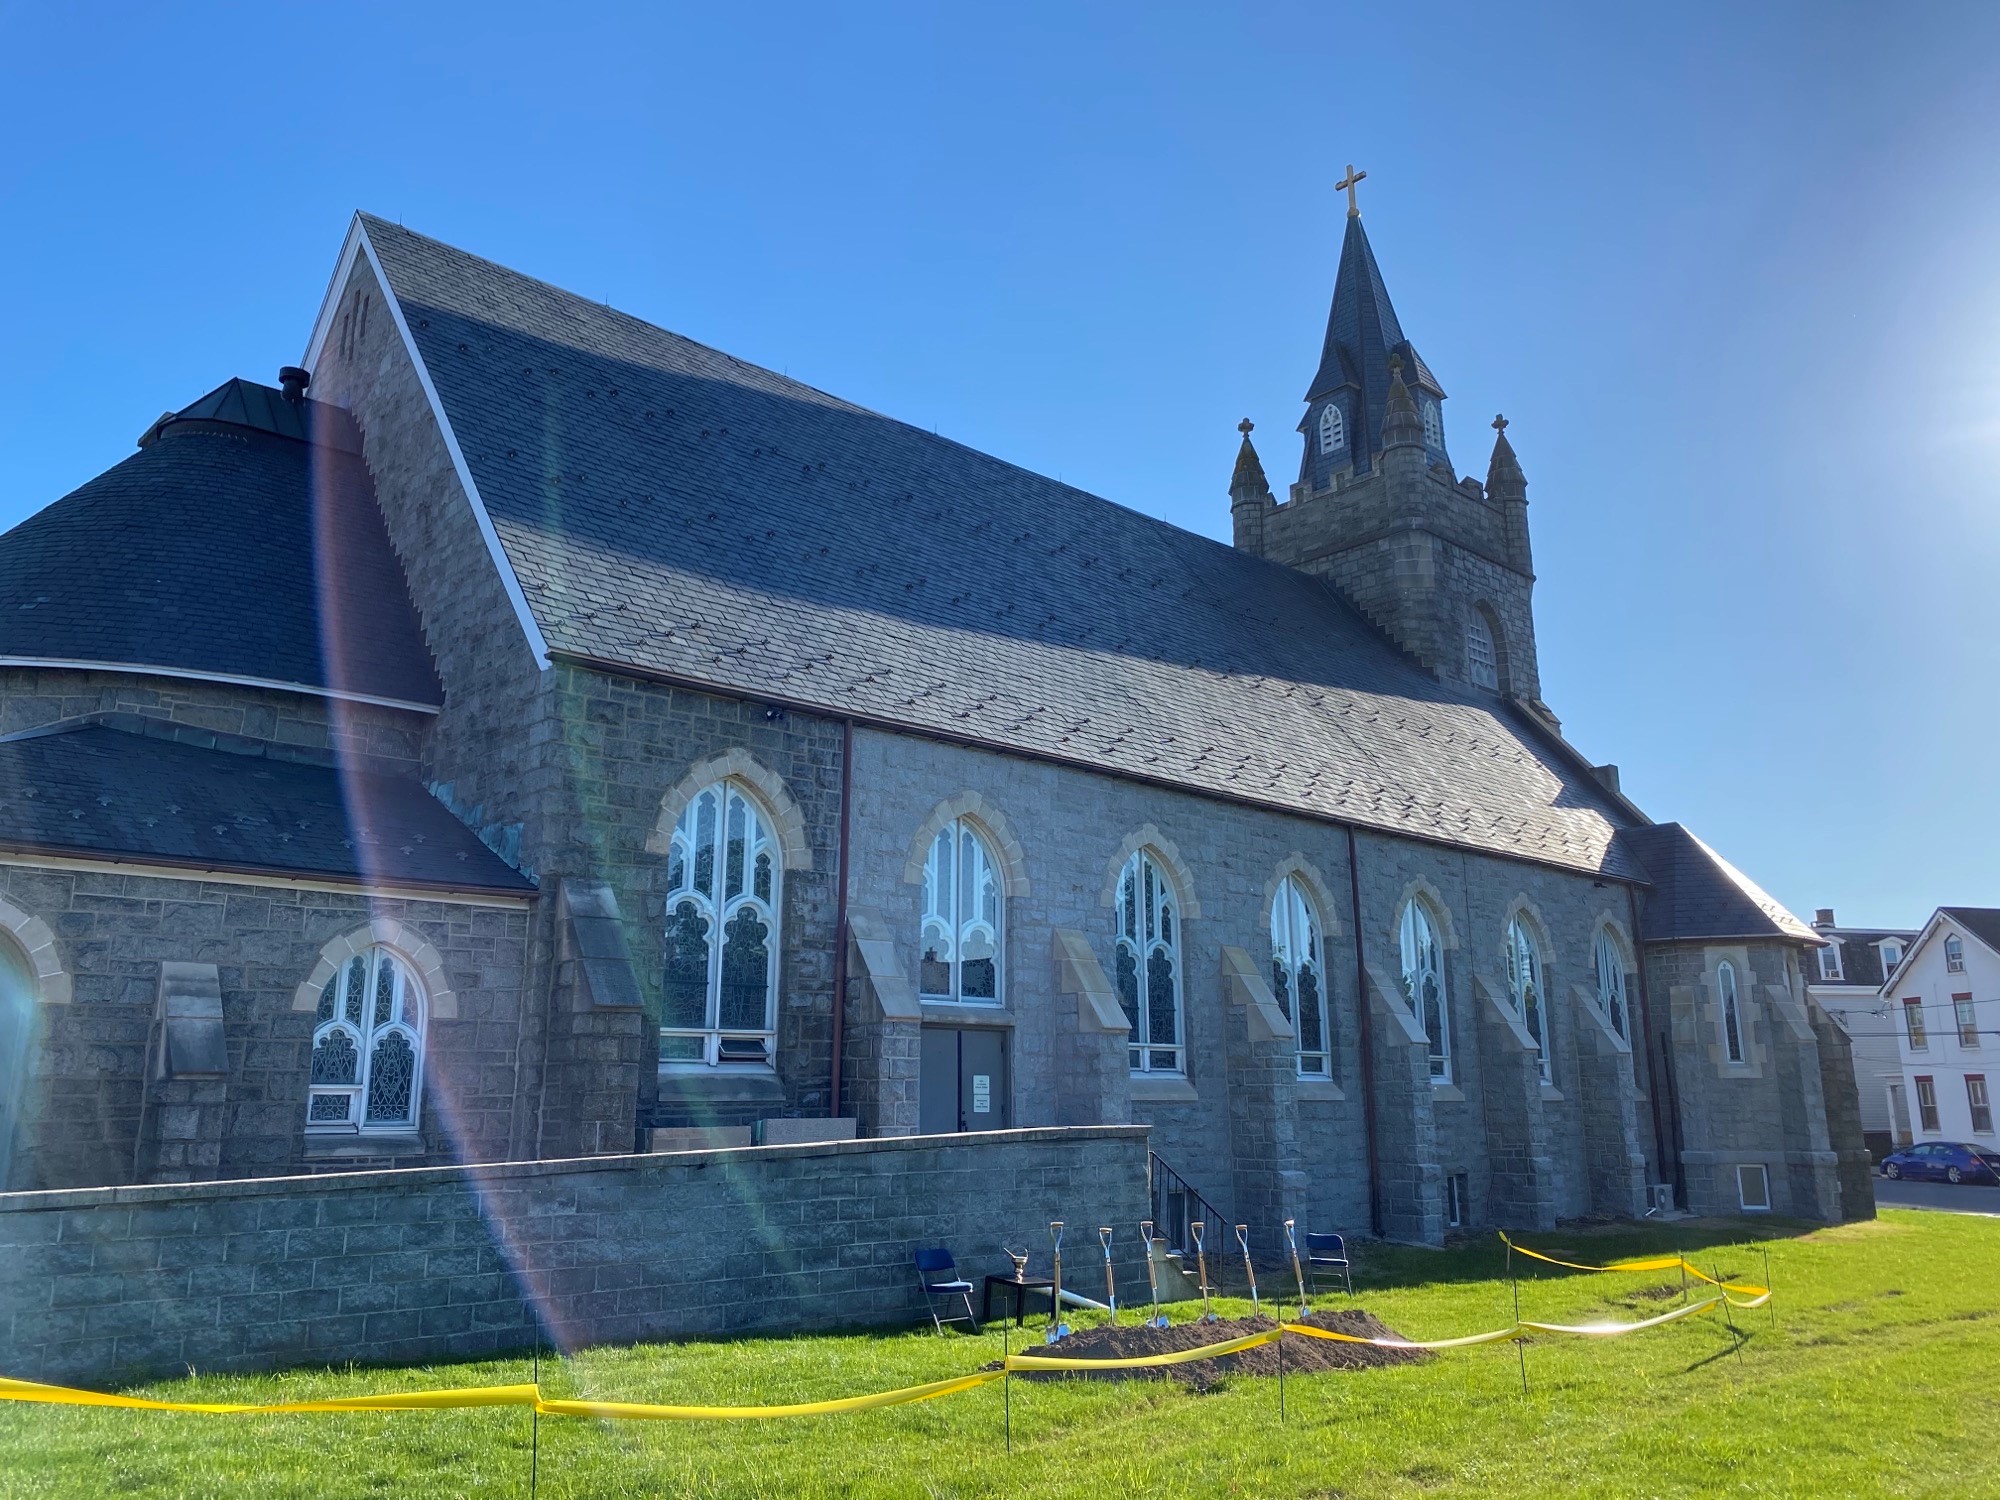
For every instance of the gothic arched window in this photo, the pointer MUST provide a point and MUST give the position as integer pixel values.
(1524, 976)
(1423, 985)
(1298, 976)
(1732, 1017)
(1332, 428)
(961, 935)
(367, 1048)
(720, 990)
(1433, 425)
(1611, 980)
(17, 1009)
(1149, 980)
(1482, 659)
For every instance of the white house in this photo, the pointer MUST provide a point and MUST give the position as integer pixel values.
(1845, 978)
(1945, 996)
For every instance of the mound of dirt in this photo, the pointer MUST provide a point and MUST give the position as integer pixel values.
(1302, 1355)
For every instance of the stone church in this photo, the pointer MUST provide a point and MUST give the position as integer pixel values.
(525, 733)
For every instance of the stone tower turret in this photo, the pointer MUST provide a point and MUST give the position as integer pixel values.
(1441, 564)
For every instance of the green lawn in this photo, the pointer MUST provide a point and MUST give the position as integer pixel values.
(1882, 1378)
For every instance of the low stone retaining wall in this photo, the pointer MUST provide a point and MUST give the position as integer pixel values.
(107, 1284)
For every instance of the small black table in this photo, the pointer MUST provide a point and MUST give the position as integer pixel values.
(1019, 1286)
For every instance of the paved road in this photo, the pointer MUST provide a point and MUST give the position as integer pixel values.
(1963, 1199)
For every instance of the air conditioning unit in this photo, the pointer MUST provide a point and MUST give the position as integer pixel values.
(1659, 1197)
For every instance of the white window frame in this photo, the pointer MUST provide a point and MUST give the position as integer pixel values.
(1892, 955)
(1332, 428)
(1954, 954)
(1965, 1022)
(1454, 1200)
(1423, 960)
(1978, 1101)
(1927, 1104)
(1529, 988)
(1762, 1178)
(360, 1020)
(1298, 948)
(1729, 1008)
(1829, 963)
(1611, 992)
(1482, 652)
(718, 1046)
(961, 872)
(1433, 425)
(1916, 1031)
(1149, 931)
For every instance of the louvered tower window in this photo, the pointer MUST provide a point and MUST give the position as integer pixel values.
(1332, 429)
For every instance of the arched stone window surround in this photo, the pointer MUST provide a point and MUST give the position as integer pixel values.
(1529, 916)
(1303, 870)
(378, 1006)
(1424, 896)
(38, 946)
(787, 822)
(1309, 1007)
(1484, 614)
(1629, 953)
(440, 1001)
(974, 808)
(1166, 855)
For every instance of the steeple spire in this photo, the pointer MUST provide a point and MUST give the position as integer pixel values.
(1250, 498)
(1362, 332)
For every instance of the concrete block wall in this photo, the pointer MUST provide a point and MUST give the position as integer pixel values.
(113, 1284)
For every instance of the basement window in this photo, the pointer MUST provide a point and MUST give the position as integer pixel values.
(1753, 1188)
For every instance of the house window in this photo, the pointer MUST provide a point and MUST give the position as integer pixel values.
(1524, 975)
(1332, 429)
(1297, 976)
(1927, 1111)
(1829, 961)
(1892, 954)
(1433, 425)
(1611, 980)
(961, 933)
(1954, 956)
(1149, 982)
(1753, 1188)
(720, 990)
(1454, 1201)
(1967, 1018)
(367, 1048)
(1732, 1017)
(1423, 986)
(1982, 1108)
(1482, 662)
(1913, 1026)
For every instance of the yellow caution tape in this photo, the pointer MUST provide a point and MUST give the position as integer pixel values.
(1497, 1336)
(1143, 1361)
(491, 1395)
(1756, 1295)
(643, 1412)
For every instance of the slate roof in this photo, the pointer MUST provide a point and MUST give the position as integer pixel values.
(230, 545)
(92, 790)
(671, 509)
(1696, 893)
(1362, 334)
(1860, 959)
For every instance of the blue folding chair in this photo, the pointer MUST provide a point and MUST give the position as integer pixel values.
(937, 1274)
(1330, 1251)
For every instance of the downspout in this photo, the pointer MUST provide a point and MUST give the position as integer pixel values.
(840, 920)
(1367, 1039)
(1655, 1084)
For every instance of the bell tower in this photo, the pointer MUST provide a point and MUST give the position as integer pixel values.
(1441, 564)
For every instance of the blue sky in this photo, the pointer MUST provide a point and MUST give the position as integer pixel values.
(1729, 270)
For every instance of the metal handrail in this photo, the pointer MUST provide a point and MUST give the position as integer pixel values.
(1176, 1204)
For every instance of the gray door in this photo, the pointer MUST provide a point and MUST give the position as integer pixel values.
(963, 1081)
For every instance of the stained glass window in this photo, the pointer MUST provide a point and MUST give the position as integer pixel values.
(1296, 966)
(959, 946)
(367, 1047)
(719, 992)
(1424, 987)
(1732, 1015)
(1524, 975)
(1148, 965)
(1611, 980)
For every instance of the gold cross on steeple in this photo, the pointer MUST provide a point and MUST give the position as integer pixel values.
(1346, 185)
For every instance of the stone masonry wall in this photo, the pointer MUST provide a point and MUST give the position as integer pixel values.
(119, 1284)
(80, 1122)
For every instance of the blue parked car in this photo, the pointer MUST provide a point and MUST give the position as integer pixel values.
(1943, 1161)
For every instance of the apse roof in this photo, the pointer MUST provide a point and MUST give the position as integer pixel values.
(241, 541)
(1696, 893)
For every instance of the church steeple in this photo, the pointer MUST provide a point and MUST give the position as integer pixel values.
(1349, 393)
